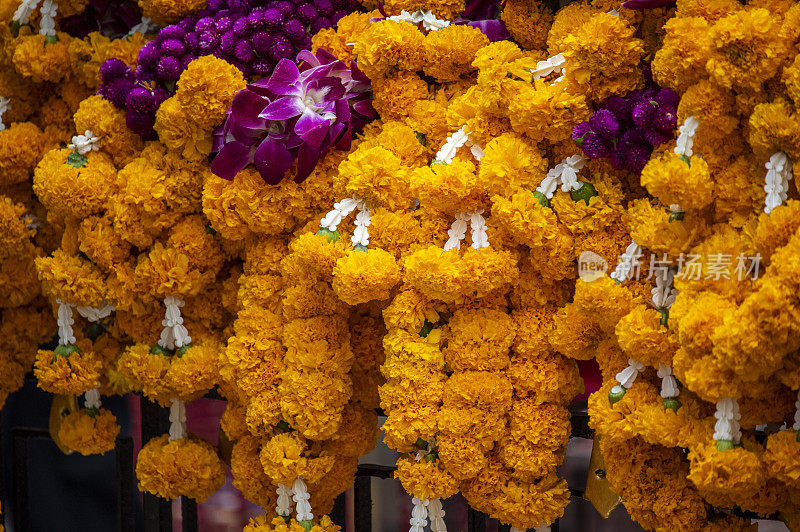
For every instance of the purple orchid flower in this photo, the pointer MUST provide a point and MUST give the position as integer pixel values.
(298, 113)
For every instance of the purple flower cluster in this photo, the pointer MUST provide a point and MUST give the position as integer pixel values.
(293, 115)
(625, 130)
(250, 34)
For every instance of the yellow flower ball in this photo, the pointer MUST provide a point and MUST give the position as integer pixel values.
(180, 468)
(89, 432)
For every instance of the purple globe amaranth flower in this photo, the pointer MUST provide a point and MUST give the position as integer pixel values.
(579, 133)
(321, 23)
(595, 147)
(241, 28)
(621, 107)
(261, 66)
(261, 42)
(173, 31)
(116, 91)
(148, 55)
(281, 48)
(292, 115)
(667, 97)
(656, 137)
(255, 19)
(168, 68)
(240, 5)
(205, 24)
(666, 118)
(227, 43)
(273, 19)
(141, 101)
(114, 68)
(306, 13)
(244, 52)
(173, 47)
(644, 112)
(209, 40)
(324, 8)
(286, 8)
(605, 123)
(294, 30)
(224, 24)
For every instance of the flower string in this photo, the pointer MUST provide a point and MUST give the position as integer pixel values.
(95, 314)
(301, 496)
(5, 104)
(177, 419)
(726, 430)
(419, 514)
(436, 514)
(283, 506)
(685, 142)
(564, 173)
(454, 142)
(779, 173)
(426, 18)
(91, 399)
(47, 24)
(174, 335)
(23, 13)
(627, 263)
(66, 336)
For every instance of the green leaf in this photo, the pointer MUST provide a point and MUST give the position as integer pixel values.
(332, 236)
(67, 350)
(51, 39)
(541, 198)
(158, 350)
(76, 159)
(725, 445)
(585, 192)
(421, 138)
(359, 247)
(426, 329)
(182, 350)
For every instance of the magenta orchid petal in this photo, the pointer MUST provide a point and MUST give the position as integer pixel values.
(273, 159)
(246, 107)
(312, 128)
(284, 79)
(307, 158)
(283, 109)
(232, 158)
(365, 108)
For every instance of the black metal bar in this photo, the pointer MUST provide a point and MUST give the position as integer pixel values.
(476, 521)
(554, 526)
(339, 512)
(503, 528)
(375, 470)
(19, 456)
(362, 495)
(126, 515)
(579, 420)
(188, 514)
(157, 511)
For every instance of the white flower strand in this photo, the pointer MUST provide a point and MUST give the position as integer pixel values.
(796, 425)
(436, 515)
(477, 225)
(728, 416)
(22, 15)
(144, 27)
(360, 233)
(683, 146)
(548, 66)
(455, 141)
(627, 376)
(85, 143)
(284, 505)
(776, 182)
(426, 18)
(66, 335)
(301, 496)
(457, 231)
(174, 335)
(5, 104)
(669, 386)
(419, 514)
(177, 419)
(664, 294)
(626, 263)
(564, 173)
(341, 210)
(95, 314)
(91, 399)
(47, 24)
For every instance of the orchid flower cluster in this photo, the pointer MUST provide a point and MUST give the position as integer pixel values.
(252, 39)
(293, 115)
(626, 129)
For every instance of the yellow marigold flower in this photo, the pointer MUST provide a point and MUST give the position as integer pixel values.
(21, 147)
(263, 523)
(681, 60)
(510, 163)
(425, 479)
(248, 474)
(528, 460)
(206, 89)
(195, 372)
(528, 22)
(71, 192)
(565, 22)
(72, 279)
(388, 46)
(25, 95)
(145, 371)
(73, 373)
(449, 52)
(394, 96)
(642, 336)
(738, 472)
(348, 30)
(602, 57)
(746, 49)
(775, 230)
(313, 254)
(403, 232)
(179, 130)
(673, 180)
(287, 456)
(451, 188)
(445, 9)
(479, 339)
(775, 127)
(87, 55)
(102, 243)
(782, 458)
(377, 176)
(526, 503)
(362, 276)
(165, 12)
(180, 468)
(652, 228)
(545, 378)
(89, 432)
(312, 401)
(99, 116)
(543, 110)
(452, 275)
(462, 457)
(711, 10)
(713, 106)
(319, 343)
(41, 61)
